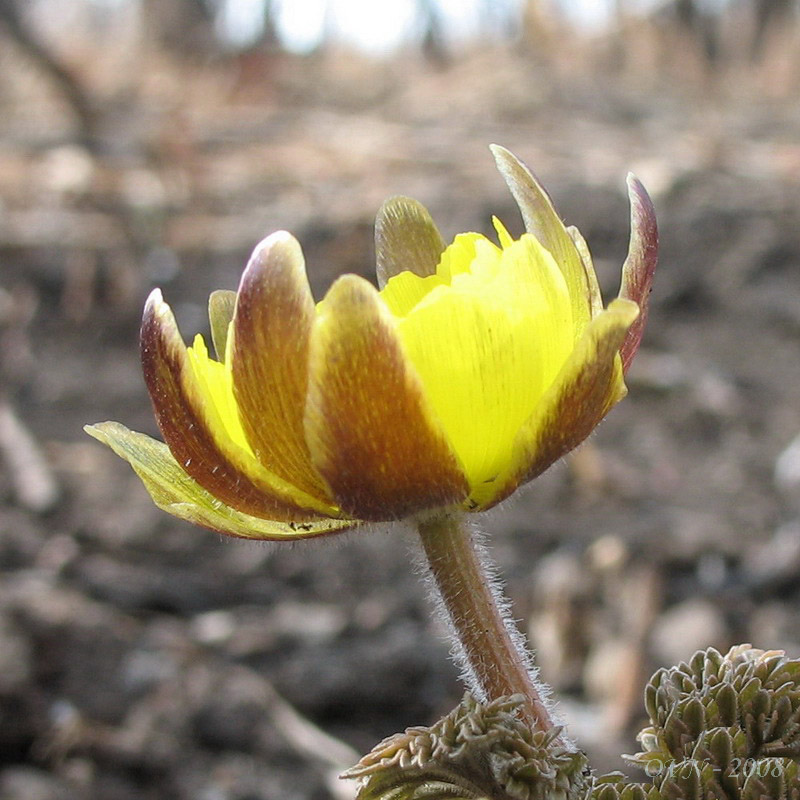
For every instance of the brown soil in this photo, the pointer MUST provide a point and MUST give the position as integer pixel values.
(143, 658)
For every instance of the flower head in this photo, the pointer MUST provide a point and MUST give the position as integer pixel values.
(470, 371)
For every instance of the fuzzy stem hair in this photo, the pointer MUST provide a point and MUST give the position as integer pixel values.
(494, 660)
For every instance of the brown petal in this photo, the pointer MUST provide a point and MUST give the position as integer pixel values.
(179, 408)
(272, 325)
(369, 427)
(640, 265)
(406, 239)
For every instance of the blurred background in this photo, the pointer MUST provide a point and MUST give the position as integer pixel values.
(153, 143)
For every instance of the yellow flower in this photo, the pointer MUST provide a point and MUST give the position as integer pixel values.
(472, 370)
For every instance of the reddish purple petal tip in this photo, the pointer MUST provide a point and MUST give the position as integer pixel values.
(640, 265)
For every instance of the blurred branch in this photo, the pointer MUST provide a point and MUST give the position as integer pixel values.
(34, 484)
(182, 27)
(770, 15)
(65, 82)
(432, 26)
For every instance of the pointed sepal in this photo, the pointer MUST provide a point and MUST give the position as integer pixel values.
(640, 265)
(542, 220)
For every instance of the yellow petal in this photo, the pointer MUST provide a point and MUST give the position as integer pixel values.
(269, 360)
(460, 256)
(487, 347)
(176, 493)
(468, 250)
(369, 428)
(406, 239)
(588, 386)
(193, 401)
(543, 222)
(403, 291)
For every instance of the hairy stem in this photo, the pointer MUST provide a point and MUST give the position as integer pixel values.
(492, 654)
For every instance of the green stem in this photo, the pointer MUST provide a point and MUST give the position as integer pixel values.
(464, 584)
